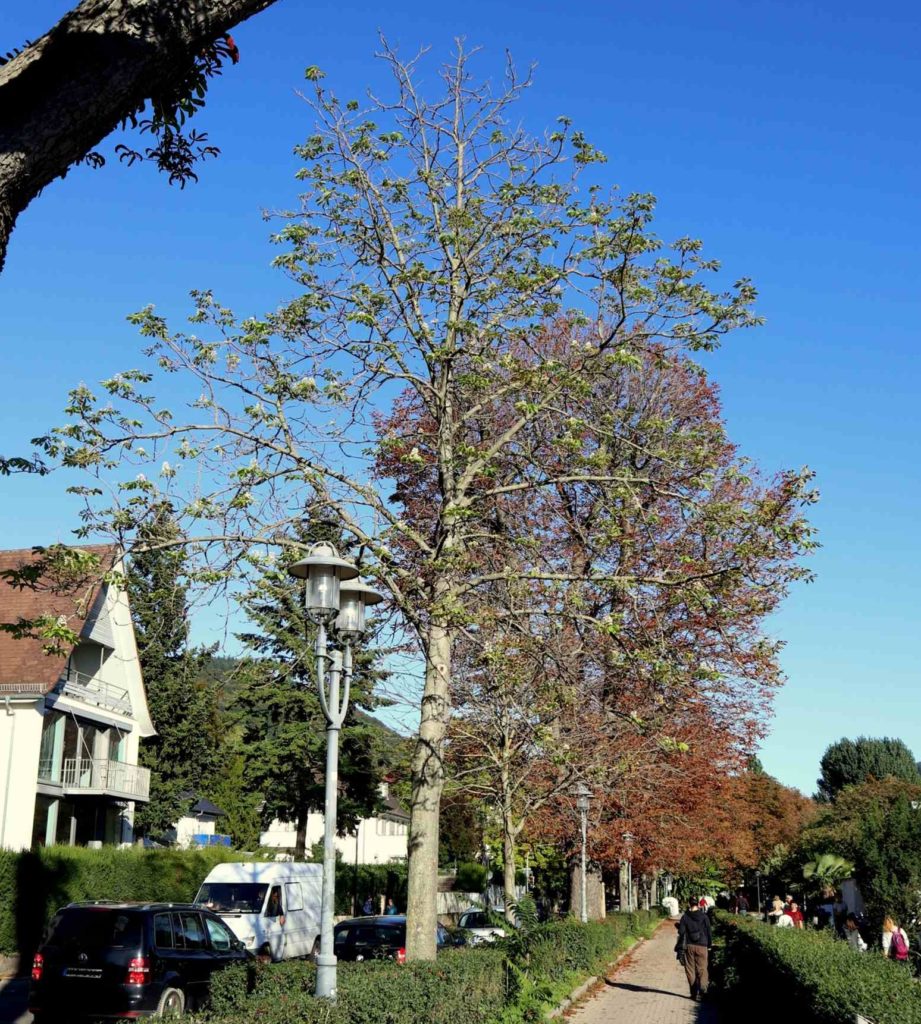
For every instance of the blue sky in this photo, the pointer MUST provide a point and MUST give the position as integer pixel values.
(786, 135)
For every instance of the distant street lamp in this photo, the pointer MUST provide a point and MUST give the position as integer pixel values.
(627, 838)
(758, 888)
(583, 795)
(334, 599)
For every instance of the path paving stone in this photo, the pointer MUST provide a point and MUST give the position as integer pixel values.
(649, 989)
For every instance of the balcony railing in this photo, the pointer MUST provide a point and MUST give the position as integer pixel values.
(105, 778)
(93, 690)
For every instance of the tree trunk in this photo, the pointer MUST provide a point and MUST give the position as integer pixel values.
(300, 841)
(508, 874)
(67, 91)
(622, 886)
(428, 782)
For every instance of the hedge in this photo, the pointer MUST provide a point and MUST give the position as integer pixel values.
(34, 885)
(809, 977)
(514, 981)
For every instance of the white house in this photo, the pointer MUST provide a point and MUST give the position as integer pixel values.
(378, 840)
(70, 724)
(198, 826)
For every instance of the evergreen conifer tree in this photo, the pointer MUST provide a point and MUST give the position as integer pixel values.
(182, 755)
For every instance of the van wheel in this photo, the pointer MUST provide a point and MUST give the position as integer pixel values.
(264, 956)
(172, 1003)
(315, 950)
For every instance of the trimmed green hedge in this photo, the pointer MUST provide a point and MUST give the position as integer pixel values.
(461, 986)
(34, 885)
(514, 981)
(810, 977)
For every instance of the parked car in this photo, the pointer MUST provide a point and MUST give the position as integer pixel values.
(380, 938)
(478, 927)
(273, 909)
(129, 960)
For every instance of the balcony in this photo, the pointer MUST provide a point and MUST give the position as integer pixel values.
(102, 777)
(92, 690)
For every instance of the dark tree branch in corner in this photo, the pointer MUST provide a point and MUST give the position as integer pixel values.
(68, 90)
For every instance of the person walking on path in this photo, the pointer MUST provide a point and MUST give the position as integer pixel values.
(693, 948)
(895, 941)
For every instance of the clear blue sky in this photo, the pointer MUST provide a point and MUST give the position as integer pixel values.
(786, 135)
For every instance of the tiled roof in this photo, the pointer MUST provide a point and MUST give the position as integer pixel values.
(24, 667)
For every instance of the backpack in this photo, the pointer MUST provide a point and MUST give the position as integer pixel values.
(898, 948)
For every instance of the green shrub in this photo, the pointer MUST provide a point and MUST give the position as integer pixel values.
(470, 877)
(515, 981)
(823, 981)
(35, 885)
(460, 986)
(44, 881)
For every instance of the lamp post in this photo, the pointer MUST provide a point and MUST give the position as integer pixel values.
(335, 600)
(758, 889)
(583, 795)
(627, 838)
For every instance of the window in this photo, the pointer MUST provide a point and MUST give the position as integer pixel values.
(192, 932)
(293, 896)
(163, 931)
(233, 897)
(221, 938)
(340, 936)
(95, 928)
(274, 908)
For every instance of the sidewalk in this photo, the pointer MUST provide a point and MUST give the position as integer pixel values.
(650, 988)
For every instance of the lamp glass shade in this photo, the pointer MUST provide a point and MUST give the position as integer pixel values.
(323, 570)
(354, 598)
(350, 622)
(322, 592)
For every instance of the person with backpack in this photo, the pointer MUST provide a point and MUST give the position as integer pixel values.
(693, 948)
(895, 941)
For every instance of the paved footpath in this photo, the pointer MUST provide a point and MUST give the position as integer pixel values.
(649, 988)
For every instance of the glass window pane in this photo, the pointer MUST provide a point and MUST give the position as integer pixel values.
(221, 939)
(293, 896)
(163, 931)
(192, 931)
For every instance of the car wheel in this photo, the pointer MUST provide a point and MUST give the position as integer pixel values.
(172, 1003)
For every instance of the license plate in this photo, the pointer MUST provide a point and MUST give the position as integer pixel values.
(82, 972)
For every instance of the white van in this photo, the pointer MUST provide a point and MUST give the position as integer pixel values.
(273, 909)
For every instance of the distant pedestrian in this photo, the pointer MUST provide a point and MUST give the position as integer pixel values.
(693, 948)
(852, 934)
(367, 907)
(742, 904)
(895, 941)
(796, 915)
(391, 908)
(776, 910)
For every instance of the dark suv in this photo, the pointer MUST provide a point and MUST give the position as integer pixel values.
(129, 960)
(378, 938)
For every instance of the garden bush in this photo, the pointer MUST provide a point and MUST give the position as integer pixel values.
(810, 977)
(468, 986)
(34, 885)
(514, 981)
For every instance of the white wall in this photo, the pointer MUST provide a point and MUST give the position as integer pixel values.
(20, 740)
(189, 826)
(375, 845)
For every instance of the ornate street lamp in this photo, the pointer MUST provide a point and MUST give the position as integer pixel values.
(627, 838)
(583, 795)
(333, 596)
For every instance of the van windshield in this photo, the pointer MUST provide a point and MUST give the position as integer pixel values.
(233, 897)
